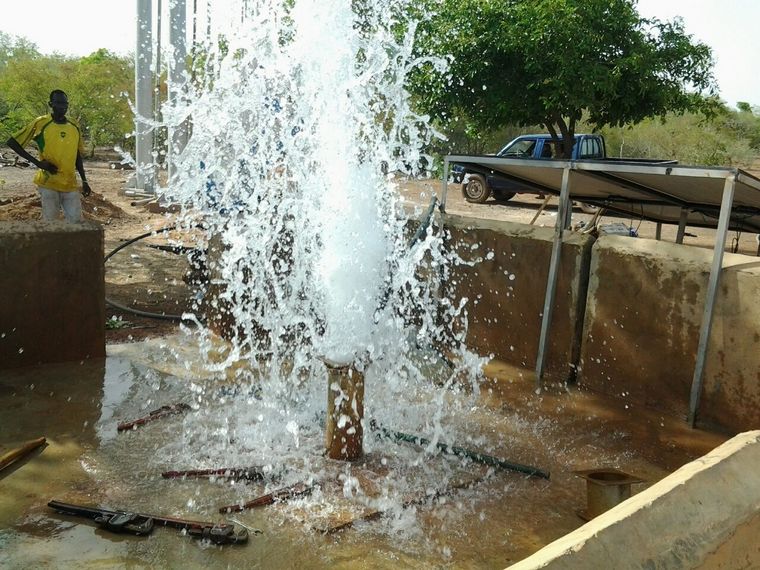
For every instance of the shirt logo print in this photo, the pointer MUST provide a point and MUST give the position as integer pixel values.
(63, 134)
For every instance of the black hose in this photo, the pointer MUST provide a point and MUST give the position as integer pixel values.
(138, 312)
(490, 460)
(425, 222)
(418, 234)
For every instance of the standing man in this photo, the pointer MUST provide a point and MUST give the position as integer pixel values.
(59, 141)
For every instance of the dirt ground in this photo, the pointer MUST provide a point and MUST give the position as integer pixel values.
(151, 280)
(138, 276)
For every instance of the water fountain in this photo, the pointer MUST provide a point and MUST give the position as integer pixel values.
(300, 119)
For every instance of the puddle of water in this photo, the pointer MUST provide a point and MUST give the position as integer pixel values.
(491, 525)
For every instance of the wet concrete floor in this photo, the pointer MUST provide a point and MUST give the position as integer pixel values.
(493, 524)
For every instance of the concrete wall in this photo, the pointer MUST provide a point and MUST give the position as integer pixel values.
(506, 290)
(52, 292)
(643, 302)
(643, 316)
(705, 515)
(731, 395)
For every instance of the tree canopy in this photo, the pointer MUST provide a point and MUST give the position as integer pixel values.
(547, 62)
(95, 84)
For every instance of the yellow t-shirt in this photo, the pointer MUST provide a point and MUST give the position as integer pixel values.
(58, 143)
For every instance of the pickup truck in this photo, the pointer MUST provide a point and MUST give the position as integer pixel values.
(479, 183)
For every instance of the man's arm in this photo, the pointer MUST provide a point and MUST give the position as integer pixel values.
(19, 150)
(80, 169)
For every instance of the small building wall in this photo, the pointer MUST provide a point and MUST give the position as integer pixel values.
(643, 316)
(731, 394)
(507, 286)
(52, 292)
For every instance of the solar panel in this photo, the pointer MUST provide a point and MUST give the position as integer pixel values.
(654, 192)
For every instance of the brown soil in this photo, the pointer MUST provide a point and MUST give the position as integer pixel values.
(95, 208)
(138, 276)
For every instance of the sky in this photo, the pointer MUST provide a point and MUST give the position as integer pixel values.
(727, 26)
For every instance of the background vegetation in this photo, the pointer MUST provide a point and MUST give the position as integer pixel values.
(98, 87)
(729, 138)
(563, 66)
(520, 66)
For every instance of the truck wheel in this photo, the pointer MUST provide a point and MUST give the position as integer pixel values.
(588, 208)
(475, 189)
(503, 196)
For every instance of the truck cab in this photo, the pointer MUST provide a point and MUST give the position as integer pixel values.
(479, 183)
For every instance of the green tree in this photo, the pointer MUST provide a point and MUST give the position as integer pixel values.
(745, 124)
(96, 85)
(688, 138)
(25, 84)
(546, 62)
(12, 48)
(744, 107)
(97, 92)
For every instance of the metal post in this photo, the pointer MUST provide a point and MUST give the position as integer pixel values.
(157, 144)
(712, 289)
(682, 225)
(445, 185)
(551, 284)
(144, 97)
(658, 231)
(177, 68)
(195, 22)
(208, 22)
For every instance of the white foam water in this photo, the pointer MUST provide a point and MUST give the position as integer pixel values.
(300, 118)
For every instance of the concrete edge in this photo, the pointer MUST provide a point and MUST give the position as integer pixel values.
(675, 523)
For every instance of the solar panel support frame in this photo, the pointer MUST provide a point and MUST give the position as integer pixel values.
(551, 284)
(712, 289)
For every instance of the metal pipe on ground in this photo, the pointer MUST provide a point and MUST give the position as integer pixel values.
(489, 460)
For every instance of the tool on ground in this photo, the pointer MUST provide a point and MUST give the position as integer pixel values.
(293, 491)
(490, 460)
(545, 203)
(163, 411)
(141, 524)
(15, 454)
(16, 161)
(234, 473)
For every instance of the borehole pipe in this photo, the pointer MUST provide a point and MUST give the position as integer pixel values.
(345, 411)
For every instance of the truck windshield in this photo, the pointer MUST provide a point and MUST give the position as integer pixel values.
(521, 148)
